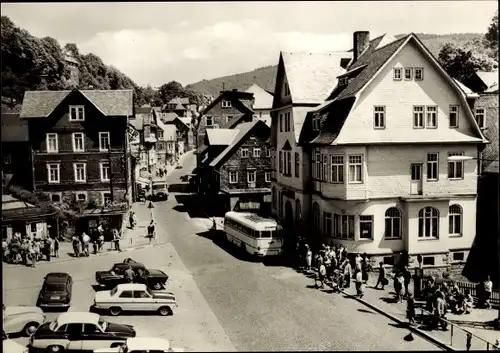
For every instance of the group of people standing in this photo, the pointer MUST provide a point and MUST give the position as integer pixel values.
(81, 244)
(26, 251)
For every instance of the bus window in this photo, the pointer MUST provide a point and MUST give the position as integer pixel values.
(266, 234)
(256, 234)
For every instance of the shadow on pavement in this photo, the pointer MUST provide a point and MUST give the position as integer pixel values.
(188, 204)
(389, 300)
(180, 187)
(219, 239)
(366, 311)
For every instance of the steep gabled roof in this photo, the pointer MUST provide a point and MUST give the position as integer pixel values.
(490, 80)
(312, 76)
(466, 90)
(221, 137)
(263, 99)
(331, 126)
(243, 100)
(231, 124)
(40, 104)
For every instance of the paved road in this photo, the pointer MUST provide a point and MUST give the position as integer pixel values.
(270, 307)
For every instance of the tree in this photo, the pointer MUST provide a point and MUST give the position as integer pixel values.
(491, 35)
(170, 90)
(460, 64)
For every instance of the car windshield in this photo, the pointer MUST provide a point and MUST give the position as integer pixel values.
(150, 292)
(103, 325)
(113, 291)
(53, 325)
(55, 287)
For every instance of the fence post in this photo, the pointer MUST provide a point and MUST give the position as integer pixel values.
(451, 341)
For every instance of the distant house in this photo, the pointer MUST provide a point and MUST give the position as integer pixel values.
(167, 141)
(229, 106)
(181, 106)
(263, 103)
(483, 81)
(72, 63)
(184, 130)
(16, 151)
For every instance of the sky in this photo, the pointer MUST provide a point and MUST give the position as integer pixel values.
(154, 43)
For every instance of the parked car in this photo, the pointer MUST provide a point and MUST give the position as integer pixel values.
(140, 345)
(160, 190)
(56, 291)
(22, 319)
(79, 331)
(11, 346)
(155, 279)
(135, 297)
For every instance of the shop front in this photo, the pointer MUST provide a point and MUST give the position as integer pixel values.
(110, 217)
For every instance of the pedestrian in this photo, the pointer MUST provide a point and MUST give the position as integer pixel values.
(322, 274)
(468, 302)
(398, 288)
(151, 229)
(308, 258)
(100, 242)
(76, 246)
(381, 276)
(36, 249)
(357, 262)
(410, 309)
(488, 288)
(100, 229)
(129, 275)
(131, 219)
(47, 247)
(116, 239)
(407, 278)
(359, 283)
(86, 243)
(364, 268)
(347, 274)
(32, 255)
(56, 247)
(440, 311)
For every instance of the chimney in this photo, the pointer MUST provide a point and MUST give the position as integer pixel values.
(223, 86)
(360, 43)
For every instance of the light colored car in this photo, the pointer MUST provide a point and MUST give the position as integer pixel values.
(22, 319)
(11, 346)
(135, 297)
(142, 345)
(79, 331)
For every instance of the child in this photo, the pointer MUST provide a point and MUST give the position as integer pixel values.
(359, 283)
(56, 247)
(468, 301)
(410, 310)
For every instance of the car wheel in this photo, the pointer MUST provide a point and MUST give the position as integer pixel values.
(157, 286)
(55, 349)
(30, 328)
(165, 311)
(115, 310)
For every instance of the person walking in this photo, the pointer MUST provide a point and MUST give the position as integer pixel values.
(131, 219)
(407, 279)
(347, 274)
(410, 309)
(151, 230)
(488, 288)
(381, 276)
(308, 258)
(47, 248)
(116, 239)
(129, 275)
(440, 311)
(76, 246)
(56, 247)
(322, 274)
(364, 268)
(85, 243)
(398, 288)
(32, 255)
(359, 283)
(357, 262)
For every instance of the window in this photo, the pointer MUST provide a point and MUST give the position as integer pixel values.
(229, 118)
(397, 74)
(244, 152)
(365, 227)
(408, 74)
(80, 172)
(226, 104)
(75, 329)
(209, 121)
(343, 226)
(288, 122)
(62, 328)
(160, 134)
(251, 176)
(316, 165)
(106, 198)
(256, 152)
(453, 115)
(53, 173)
(455, 168)
(90, 329)
(327, 224)
(379, 116)
(286, 89)
(419, 73)
(458, 256)
(393, 223)
(316, 215)
(81, 196)
(428, 260)
(315, 122)
(281, 162)
(337, 169)
(55, 197)
(78, 142)
(281, 122)
(273, 197)
(76, 113)
(297, 165)
(455, 220)
(52, 143)
(233, 176)
(428, 223)
(126, 294)
(418, 116)
(105, 171)
(480, 117)
(389, 260)
(355, 168)
(298, 212)
(325, 168)
(432, 117)
(7, 158)
(267, 176)
(268, 152)
(343, 81)
(104, 141)
(432, 166)
(289, 163)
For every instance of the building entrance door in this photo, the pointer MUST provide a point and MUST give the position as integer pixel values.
(416, 179)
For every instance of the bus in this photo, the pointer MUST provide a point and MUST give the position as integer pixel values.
(254, 234)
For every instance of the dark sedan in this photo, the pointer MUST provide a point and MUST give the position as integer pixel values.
(56, 291)
(154, 279)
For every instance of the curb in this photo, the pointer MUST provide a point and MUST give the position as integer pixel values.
(415, 330)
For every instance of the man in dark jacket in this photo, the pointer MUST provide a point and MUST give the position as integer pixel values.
(381, 276)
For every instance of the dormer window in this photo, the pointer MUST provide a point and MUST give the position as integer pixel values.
(343, 81)
(408, 74)
(226, 104)
(76, 113)
(397, 74)
(286, 90)
(315, 122)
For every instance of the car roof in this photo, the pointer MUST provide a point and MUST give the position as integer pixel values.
(131, 264)
(78, 318)
(56, 277)
(147, 343)
(132, 286)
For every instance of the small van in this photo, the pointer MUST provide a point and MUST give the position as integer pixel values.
(160, 190)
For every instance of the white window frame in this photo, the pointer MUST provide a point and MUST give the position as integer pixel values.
(103, 193)
(7, 159)
(254, 173)
(418, 116)
(337, 169)
(354, 172)
(453, 167)
(256, 152)
(482, 113)
(392, 214)
(244, 153)
(230, 174)
(410, 71)
(74, 135)
(81, 193)
(419, 74)
(58, 169)
(368, 219)
(55, 193)
(101, 170)
(379, 116)
(431, 111)
(75, 172)
(432, 162)
(226, 104)
(452, 220)
(228, 118)
(324, 160)
(423, 217)
(341, 220)
(267, 177)
(397, 74)
(47, 141)
(77, 108)
(209, 118)
(101, 135)
(454, 111)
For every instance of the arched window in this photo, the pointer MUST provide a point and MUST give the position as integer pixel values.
(393, 223)
(315, 210)
(273, 196)
(428, 223)
(298, 212)
(455, 220)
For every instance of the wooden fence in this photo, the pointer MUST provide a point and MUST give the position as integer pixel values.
(462, 286)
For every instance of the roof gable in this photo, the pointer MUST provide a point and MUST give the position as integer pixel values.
(490, 80)
(229, 96)
(263, 100)
(286, 146)
(221, 137)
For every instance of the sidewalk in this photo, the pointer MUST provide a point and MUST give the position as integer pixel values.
(475, 323)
